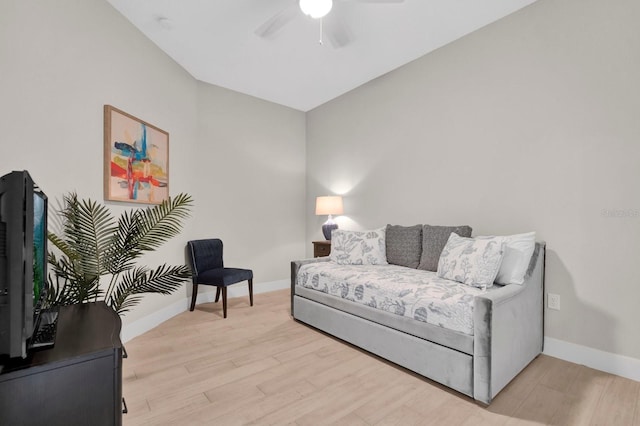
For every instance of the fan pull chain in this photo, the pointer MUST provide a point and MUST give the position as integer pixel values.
(320, 41)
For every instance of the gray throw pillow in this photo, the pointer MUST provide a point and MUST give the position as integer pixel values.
(404, 245)
(434, 239)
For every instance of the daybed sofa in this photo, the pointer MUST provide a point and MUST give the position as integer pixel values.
(472, 339)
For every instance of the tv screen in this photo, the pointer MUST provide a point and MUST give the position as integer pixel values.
(39, 248)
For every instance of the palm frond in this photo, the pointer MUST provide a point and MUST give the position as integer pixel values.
(125, 302)
(163, 280)
(70, 286)
(124, 250)
(123, 297)
(88, 230)
(62, 245)
(164, 221)
(57, 293)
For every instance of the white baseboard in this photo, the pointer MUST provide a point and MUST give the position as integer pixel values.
(619, 365)
(145, 324)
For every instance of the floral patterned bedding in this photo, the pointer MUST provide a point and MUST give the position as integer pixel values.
(412, 293)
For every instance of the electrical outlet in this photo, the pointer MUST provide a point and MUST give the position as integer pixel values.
(553, 301)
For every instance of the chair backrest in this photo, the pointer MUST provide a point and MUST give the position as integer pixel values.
(205, 255)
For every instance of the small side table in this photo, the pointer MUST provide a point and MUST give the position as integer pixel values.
(321, 248)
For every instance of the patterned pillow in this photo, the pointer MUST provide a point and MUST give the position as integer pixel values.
(471, 261)
(433, 240)
(404, 245)
(358, 247)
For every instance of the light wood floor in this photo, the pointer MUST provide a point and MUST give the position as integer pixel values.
(259, 366)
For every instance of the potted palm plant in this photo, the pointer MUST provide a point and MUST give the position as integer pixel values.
(98, 256)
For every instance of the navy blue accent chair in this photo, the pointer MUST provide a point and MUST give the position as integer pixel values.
(207, 268)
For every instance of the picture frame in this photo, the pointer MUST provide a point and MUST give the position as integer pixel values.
(136, 159)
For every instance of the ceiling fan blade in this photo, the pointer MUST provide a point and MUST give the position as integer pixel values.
(274, 24)
(337, 32)
(380, 1)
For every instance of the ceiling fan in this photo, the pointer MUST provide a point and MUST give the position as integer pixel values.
(335, 29)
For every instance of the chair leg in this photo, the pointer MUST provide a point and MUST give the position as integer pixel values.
(194, 295)
(217, 294)
(251, 291)
(224, 301)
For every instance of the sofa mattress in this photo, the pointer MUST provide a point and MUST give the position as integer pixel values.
(412, 293)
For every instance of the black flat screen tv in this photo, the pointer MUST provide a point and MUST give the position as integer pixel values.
(23, 261)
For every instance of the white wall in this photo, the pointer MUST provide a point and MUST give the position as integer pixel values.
(251, 180)
(60, 62)
(528, 124)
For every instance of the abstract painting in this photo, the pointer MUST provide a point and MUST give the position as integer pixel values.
(136, 159)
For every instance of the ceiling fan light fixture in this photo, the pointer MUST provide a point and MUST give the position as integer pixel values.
(316, 8)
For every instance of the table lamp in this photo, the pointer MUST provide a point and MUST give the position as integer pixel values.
(329, 205)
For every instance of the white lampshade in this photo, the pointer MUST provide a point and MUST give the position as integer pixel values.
(316, 8)
(329, 205)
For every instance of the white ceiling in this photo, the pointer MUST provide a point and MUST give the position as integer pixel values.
(215, 41)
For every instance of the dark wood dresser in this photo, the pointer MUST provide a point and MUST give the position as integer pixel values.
(76, 382)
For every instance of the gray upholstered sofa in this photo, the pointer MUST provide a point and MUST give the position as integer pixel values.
(506, 331)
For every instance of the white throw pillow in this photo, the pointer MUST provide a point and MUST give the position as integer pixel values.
(358, 247)
(471, 261)
(517, 255)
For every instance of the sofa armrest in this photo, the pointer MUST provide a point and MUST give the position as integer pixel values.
(295, 267)
(508, 330)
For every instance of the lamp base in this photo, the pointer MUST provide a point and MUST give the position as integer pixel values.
(329, 226)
